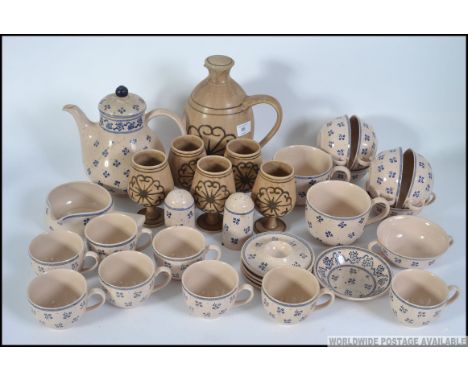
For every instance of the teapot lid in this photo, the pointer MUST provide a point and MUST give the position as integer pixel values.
(218, 91)
(122, 104)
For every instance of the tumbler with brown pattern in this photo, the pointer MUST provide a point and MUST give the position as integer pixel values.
(185, 151)
(274, 195)
(212, 184)
(150, 182)
(245, 156)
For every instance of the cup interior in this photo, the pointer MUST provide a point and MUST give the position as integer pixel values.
(178, 242)
(149, 158)
(290, 285)
(187, 143)
(413, 237)
(113, 228)
(338, 199)
(420, 287)
(277, 169)
(57, 288)
(355, 129)
(210, 278)
(56, 246)
(77, 197)
(407, 176)
(126, 269)
(214, 164)
(242, 146)
(306, 160)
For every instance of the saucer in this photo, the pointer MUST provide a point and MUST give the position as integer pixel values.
(251, 275)
(251, 281)
(353, 273)
(270, 250)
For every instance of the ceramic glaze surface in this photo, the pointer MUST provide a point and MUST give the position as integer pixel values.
(122, 130)
(219, 110)
(237, 220)
(335, 138)
(267, 251)
(179, 209)
(418, 297)
(353, 273)
(366, 147)
(422, 183)
(70, 206)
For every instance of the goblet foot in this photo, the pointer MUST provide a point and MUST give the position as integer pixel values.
(211, 222)
(266, 224)
(153, 219)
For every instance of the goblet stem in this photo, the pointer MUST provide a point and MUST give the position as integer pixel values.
(271, 223)
(153, 212)
(212, 218)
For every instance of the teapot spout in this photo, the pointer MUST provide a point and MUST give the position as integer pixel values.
(80, 118)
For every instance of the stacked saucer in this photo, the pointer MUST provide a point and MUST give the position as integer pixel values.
(269, 250)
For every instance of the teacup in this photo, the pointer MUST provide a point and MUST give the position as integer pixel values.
(211, 288)
(335, 138)
(114, 232)
(411, 241)
(337, 211)
(290, 294)
(128, 277)
(60, 297)
(417, 297)
(363, 144)
(60, 249)
(179, 246)
(70, 206)
(311, 165)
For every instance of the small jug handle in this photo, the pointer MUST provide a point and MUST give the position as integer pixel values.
(258, 99)
(160, 112)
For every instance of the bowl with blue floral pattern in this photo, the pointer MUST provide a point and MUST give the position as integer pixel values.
(353, 273)
(270, 250)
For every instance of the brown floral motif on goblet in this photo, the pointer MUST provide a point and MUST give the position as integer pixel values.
(186, 173)
(273, 201)
(245, 174)
(210, 196)
(215, 137)
(145, 190)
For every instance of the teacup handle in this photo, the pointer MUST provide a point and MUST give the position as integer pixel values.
(168, 279)
(95, 257)
(455, 294)
(214, 248)
(431, 199)
(364, 163)
(342, 169)
(323, 292)
(160, 112)
(383, 214)
(261, 98)
(414, 208)
(246, 300)
(99, 292)
(149, 233)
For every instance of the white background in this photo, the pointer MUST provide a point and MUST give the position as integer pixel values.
(412, 90)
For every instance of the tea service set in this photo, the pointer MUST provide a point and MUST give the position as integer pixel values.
(216, 166)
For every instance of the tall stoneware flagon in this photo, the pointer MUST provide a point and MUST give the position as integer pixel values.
(219, 110)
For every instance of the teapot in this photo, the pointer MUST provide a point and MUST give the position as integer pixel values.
(108, 145)
(219, 110)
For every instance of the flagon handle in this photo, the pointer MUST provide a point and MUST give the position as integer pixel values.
(262, 98)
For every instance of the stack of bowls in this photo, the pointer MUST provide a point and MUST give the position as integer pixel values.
(405, 179)
(270, 250)
(351, 142)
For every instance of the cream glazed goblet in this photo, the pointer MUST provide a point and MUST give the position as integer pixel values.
(417, 297)
(211, 288)
(129, 278)
(337, 211)
(178, 247)
(59, 298)
(60, 249)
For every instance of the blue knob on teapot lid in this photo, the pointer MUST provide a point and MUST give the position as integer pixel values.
(121, 91)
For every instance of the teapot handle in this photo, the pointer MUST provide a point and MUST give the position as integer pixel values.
(257, 99)
(160, 112)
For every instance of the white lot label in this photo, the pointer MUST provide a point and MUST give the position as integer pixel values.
(243, 129)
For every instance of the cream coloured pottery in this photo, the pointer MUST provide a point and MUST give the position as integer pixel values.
(353, 273)
(411, 241)
(237, 220)
(290, 294)
(70, 206)
(59, 298)
(179, 209)
(335, 138)
(417, 297)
